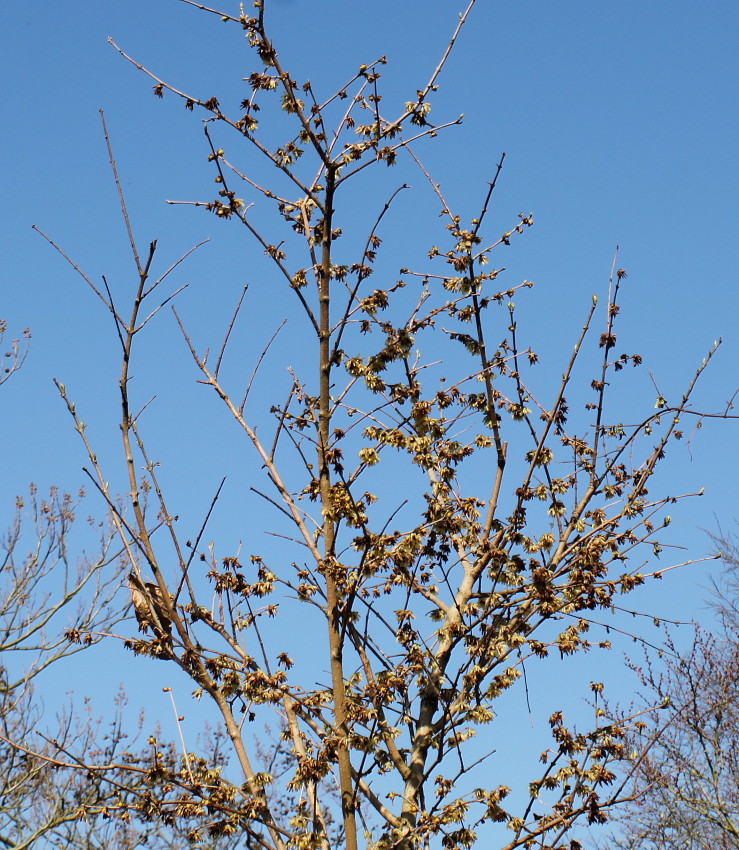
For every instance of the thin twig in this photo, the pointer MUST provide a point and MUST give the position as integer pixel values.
(121, 199)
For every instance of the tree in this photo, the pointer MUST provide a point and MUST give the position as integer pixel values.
(42, 591)
(687, 781)
(517, 521)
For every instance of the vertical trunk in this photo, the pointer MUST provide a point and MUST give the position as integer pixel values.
(332, 596)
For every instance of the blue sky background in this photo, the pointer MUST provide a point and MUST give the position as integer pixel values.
(620, 126)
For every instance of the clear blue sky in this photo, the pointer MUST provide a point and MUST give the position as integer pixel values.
(620, 125)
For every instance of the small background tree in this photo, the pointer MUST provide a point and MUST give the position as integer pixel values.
(687, 783)
(45, 590)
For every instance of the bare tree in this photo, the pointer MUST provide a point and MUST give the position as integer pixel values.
(47, 594)
(686, 786)
(517, 530)
(44, 591)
